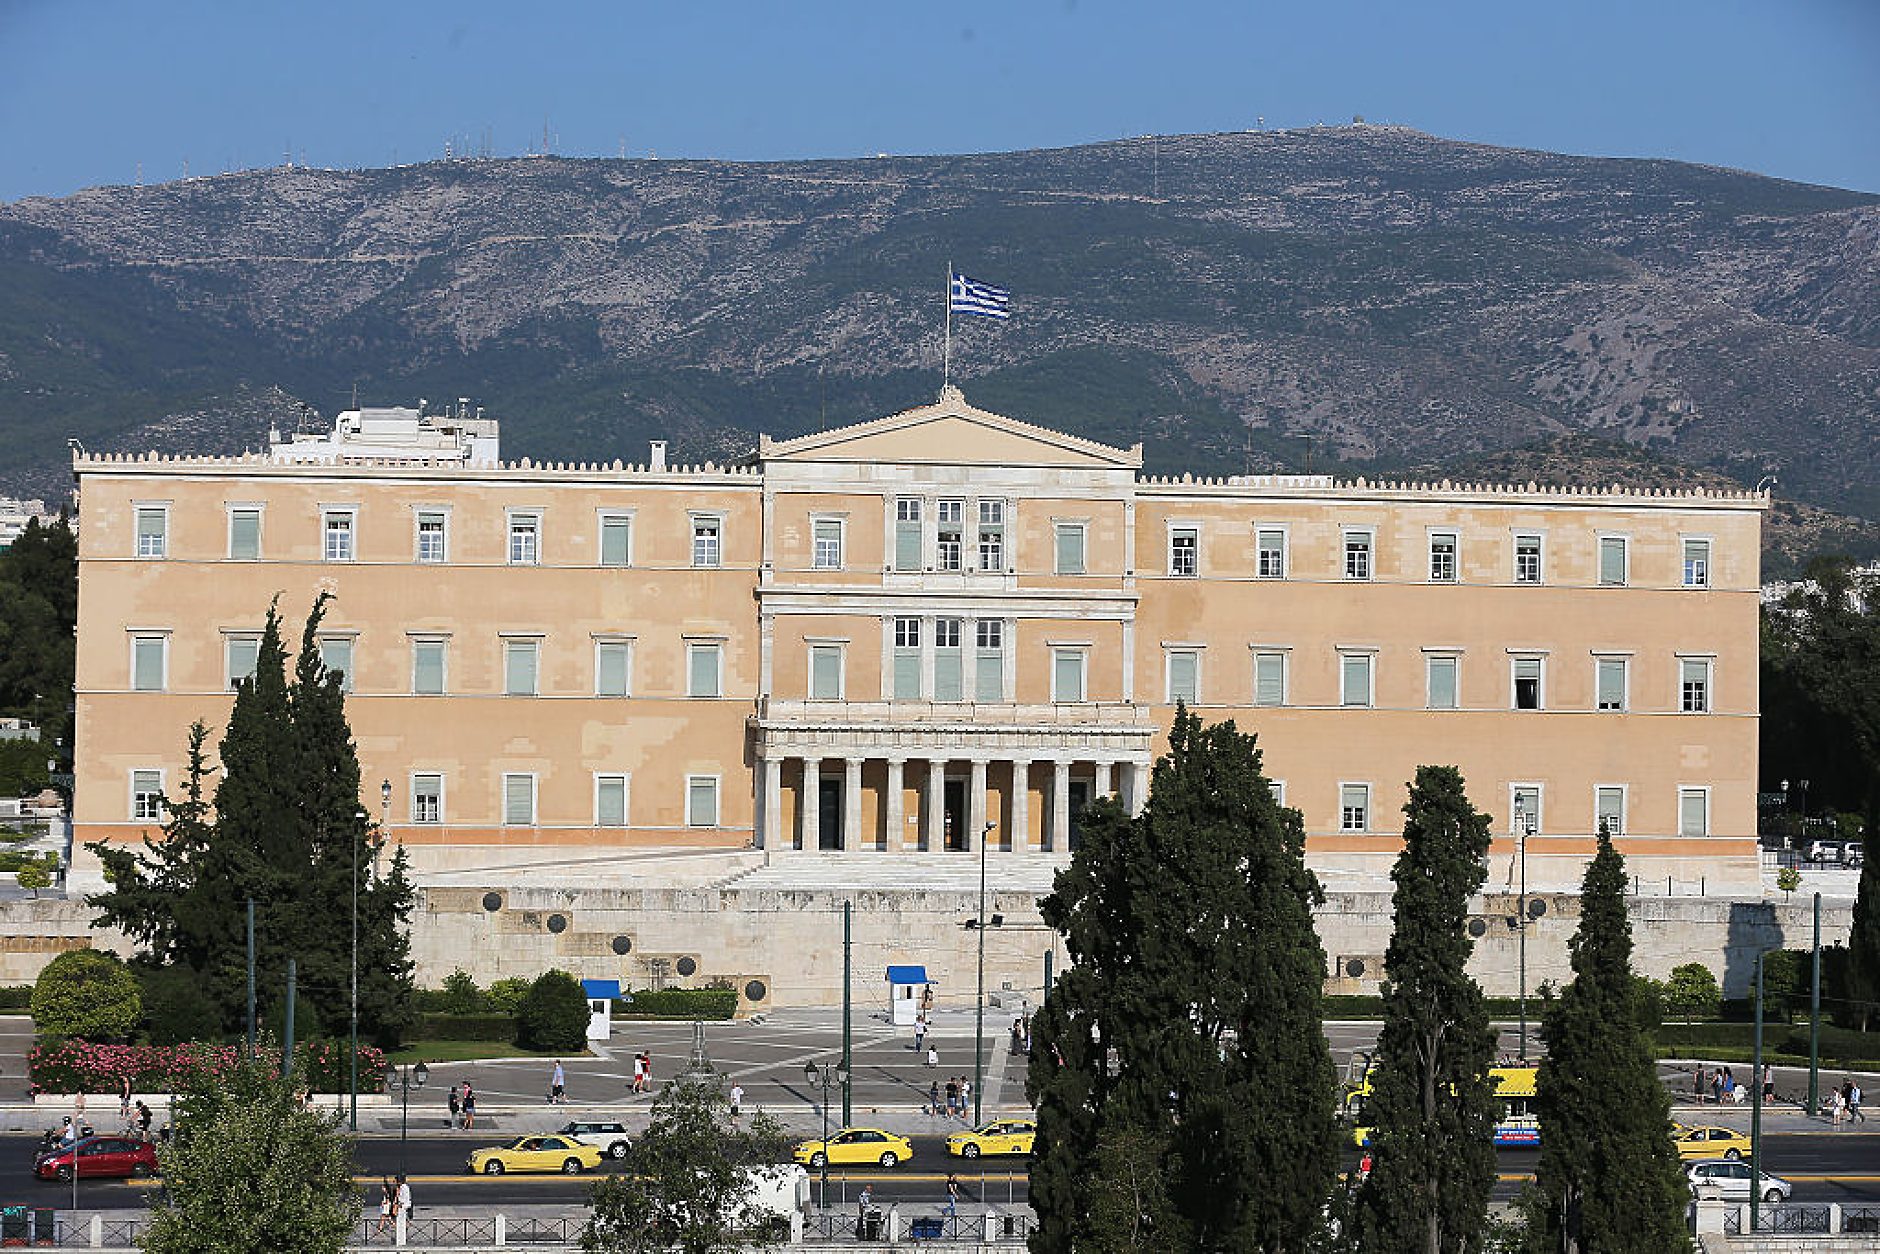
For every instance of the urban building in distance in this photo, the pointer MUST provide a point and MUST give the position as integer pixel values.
(898, 638)
(16, 513)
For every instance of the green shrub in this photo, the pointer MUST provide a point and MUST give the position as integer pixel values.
(307, 1024)
(683, 1003)
(505, 996)
(461, 994)
(1839, 1046)
(176, 1009)
(88, 994)
(484, 1027)
(16, 997)
(554, 1015)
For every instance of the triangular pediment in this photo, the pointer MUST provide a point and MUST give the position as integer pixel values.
(953, 432)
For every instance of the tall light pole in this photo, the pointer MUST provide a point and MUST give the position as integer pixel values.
(979, 1004)
(407, 1079)
(1523, 828)
(353, 1084)
(827, 1077)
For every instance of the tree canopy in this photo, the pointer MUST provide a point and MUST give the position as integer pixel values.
(89, 994)
(38, 621)
(1190, 1014)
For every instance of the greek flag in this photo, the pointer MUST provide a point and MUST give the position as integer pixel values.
(979, 298)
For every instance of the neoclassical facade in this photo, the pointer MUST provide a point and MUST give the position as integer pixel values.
(934, 628)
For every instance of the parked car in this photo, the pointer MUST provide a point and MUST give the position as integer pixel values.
(1709, 1142)
(1851, 854)
(611, 1137)
(99, 1156)
(536, 1153)
(1729, 1179)
(1824, 851)
(857, 1145)
(1003, 1136)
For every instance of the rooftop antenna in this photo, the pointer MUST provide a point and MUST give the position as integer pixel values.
(544, 134)
(1155, 167)
(140, 174)
(822, 381)
(623, 147)
(355, 403)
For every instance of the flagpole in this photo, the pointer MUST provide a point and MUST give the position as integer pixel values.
(946, 353)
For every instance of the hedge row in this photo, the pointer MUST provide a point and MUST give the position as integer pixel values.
(75, 1066)
(1841, 1047)
(16, 997)
(1371, 1006)
(443, 1027)
(683, 1003)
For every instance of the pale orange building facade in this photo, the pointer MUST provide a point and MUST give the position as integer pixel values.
(900, 635)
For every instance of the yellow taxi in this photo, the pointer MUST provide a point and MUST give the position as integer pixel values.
(857, 1145)
(537, 1153)
(1004, 1136)
(1709, 1142)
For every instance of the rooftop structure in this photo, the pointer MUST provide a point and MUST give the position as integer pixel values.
(455, 436)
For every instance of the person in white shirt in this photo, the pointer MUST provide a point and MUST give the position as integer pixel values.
(737, 1100)
(404, 1197)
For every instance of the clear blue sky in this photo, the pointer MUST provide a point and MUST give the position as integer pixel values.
(90, 89)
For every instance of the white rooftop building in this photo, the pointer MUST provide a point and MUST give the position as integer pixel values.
(457, 436)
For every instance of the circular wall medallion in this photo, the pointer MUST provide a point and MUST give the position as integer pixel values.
(1354, 967)
(557, 923)
(1536, 908)
(755, 991)
(686, 966)
(492, 902)
(623, 944)
(1477, 927)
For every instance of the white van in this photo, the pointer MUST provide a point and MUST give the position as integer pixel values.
(1851, 854)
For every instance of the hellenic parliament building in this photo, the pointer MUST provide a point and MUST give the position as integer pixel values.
(658, 722)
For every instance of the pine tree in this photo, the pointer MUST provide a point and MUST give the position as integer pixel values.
(1191, 1012)
(1431, 1107)
(1608, 1168)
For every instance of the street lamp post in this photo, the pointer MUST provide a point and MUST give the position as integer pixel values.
(1523, 828)
(353, 1117)
(827, 1077)
(407, 1079)
(979, 1005)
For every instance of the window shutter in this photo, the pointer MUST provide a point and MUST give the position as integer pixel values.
(1067, 676)
(1070, 550)
(427, 667)
(1442, 683)
(703, 808)
(518, 799)
(242, 659)
(704, 676)
(1269, 679)
(614, 542)
(825, 678)
(610, 666)
(519, 669)
(1692, 816)
(907, 674)
(907, 546)
(989, 679)
(1357, 680)
(1181, 677)
(244, 534)
(147, 670)
(1611, 684)
(1612, 561)
(947, 683)
(610, 804)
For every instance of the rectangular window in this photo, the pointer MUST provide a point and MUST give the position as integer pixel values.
(951, 529)
(1278, 788)
(611, 658)
(825, 672)
(1354, 807)
(1269, 679)
(948, 661)
(1609, 809)
(1609, 682)
(244, 535)
(149, 663)
(1354, 679)
(1524, 809)
(907, 659)
(1443, 670)
(1067, 675)
(431, 536)
(827, 544)
(243, 655)
(705, 541)
(147, 796)
(1527, 558)
(701, 801)
(1693, 811)
(153, 531)
(1612, 560)
(992, 536)
(427, 798)
(610, 801)
(1357, 555)
(427, 667)
(1270, 561)
(1697, 563)
(907, 538)
(616, 540)
(702, 666)
(525, 539)
(1527, 683)
(519, 667)
(1184, 676)
(1694, 685)
(1184, 544)
(336, 656)
(336, 530)
(519, 800)
(1443, 557)
(1070, 548)
(989, 664)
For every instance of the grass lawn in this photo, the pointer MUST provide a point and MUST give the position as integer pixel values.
(467, 1051)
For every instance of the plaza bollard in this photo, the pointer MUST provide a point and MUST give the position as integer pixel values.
(894, 1223)
(796, 1227)
(401, 1231)
(502, 1230)
(97, 1231)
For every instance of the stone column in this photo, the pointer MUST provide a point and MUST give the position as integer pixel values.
(1060, 806)
(851, 804)
(812, 804)
(1019, 811)
(1138, 786)
(976, 805)
(776, 840)
(933, 818)
(894, 822)
(1103, 779)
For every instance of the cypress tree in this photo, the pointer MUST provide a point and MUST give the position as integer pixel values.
(1191, 1013)
(1431, 1107)
(1608, 1169)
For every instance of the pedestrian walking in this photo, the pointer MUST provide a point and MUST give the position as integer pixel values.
(124, 1101)
(469, 1106)
(1853, 1104)
(952, 1208)
(966, 1096)
(639, 1073)
(555, 1090)
(933, 1098)
(388, 1203)
(737, 1100)
(933, 1056)
(920, 1031)
(1697, 1085)
(1768, 1084)
(862, 1204)
(1716, 1085)
(953, 1095)
(1364, 1167)
(143, 1121)
(403, 1205)
(456, 1104)
(1837, 1105)
(646, 1076)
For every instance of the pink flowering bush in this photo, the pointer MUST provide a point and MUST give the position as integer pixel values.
(77, 1066)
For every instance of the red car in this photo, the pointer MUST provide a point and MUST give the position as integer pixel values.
(99, 1156)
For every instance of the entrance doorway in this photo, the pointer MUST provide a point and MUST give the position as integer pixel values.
(829, 813)
(954, 812)
(1079, 795)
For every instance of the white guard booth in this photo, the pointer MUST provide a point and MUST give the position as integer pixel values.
(907, 989)
(601, 995)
